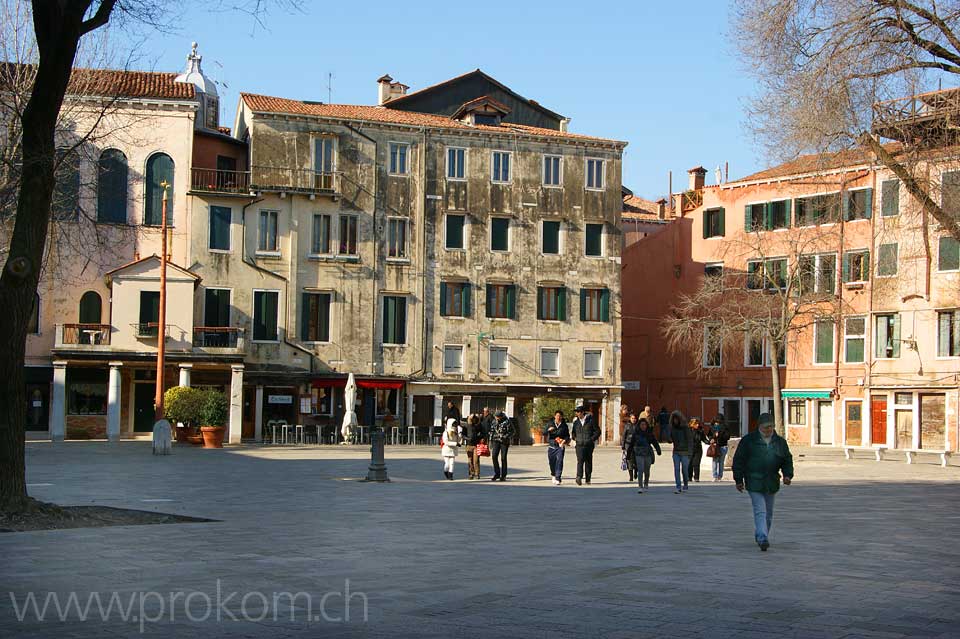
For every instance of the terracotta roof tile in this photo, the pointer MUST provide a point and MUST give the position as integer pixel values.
(129, 84)
(634, 206)
(813, 162)
(269, 104)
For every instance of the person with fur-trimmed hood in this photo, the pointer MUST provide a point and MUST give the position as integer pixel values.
(450, 445)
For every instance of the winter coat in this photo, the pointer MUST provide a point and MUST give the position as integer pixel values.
(453, 412)
(585, 431)
(681, 434)
(640, 442)
(721, 437)
(758, 465)
(451, 443)
(562, 431)
(488, 422)
(473, 433)
(503, 431)
(698, 437)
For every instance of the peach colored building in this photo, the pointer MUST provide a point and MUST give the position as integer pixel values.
(883, 371)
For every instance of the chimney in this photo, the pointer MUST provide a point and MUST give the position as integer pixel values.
(564, 125)
(698, 176)
(387, 89)
(662, 208)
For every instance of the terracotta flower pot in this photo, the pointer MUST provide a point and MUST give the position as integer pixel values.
(212, 436)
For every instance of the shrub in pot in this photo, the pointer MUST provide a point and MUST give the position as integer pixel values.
(213, 418)
(541, 410)
(181, 405)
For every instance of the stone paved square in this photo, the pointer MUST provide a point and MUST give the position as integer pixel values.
(859, 548)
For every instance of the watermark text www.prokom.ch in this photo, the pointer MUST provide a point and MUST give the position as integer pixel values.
(196, 606)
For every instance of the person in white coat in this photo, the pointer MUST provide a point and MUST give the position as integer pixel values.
(450, 445)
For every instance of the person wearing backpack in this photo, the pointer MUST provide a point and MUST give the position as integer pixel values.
(500, 437)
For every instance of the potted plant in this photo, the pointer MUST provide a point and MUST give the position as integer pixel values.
(541, 410)
(181, 406)
(213, 418)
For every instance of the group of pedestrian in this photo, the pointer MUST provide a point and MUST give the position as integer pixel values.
(585, 435)
(480, 435)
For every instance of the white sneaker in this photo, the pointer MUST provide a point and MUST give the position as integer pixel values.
(556, 482)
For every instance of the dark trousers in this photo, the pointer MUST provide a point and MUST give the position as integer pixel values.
(498, 453)
(695, 458)
(584, 461)
(555, 458)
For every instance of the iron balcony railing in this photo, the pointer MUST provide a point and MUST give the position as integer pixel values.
(219, 181)
(148, 330)
(217, 337)
(269, 178)
(83, 335)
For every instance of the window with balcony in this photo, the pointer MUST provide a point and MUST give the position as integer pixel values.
(890, 198)
(452, 359)
(823, 334)
(324, 161)
(394, 319)
(216, 308)
(499, 358)
(594, 178)
(454, 232)
(552, 170)
(887, 260)
(455, 299)
(593, 363)
(112, 187)
(220, 218)
(398, 158)
(501, 301)
(267, 241)
(550, 237)
(397, 237)
(266, 306)
(854, 339)
(552, 303)
(713, 223)
(456, 164)
(315, 317)
(856, 266)
(594, 305)
(149, 314)
(500, 234)
(159, 171)
(500, 167)
(948, 254)
(348, 235)
(321, 242)
(91, 308)
(593, 240)
(550, 362)
(887, 335)
(948, 333)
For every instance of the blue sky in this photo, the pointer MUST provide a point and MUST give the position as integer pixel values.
(660, 75)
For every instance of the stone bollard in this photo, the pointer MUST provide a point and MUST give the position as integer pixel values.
(731, 449)
(378, 468)
(161, 437)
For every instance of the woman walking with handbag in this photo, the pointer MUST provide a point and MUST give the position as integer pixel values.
(628, 459)
(698, 438)
(449, 445)
(644, 442)
(719, 440)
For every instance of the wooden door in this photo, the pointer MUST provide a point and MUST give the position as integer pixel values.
(878, 420)
(248, 426)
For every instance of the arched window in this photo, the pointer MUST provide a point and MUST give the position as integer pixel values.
(90, 308)
(159, 169)
(112, 187)
(33, 323)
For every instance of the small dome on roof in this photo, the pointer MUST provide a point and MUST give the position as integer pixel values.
(194, 74)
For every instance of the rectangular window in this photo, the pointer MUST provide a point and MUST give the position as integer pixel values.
(453, 237)
(595, 174)
(854, 339)
(453, 360)
(552, 303)
(797, 412)
(398, 158)
(948, 255)
(818, 274)
(267, 238)
(593, 240)
(887, 260)
(149, 312)
(324, 162)
(714, 269)
(65, 204)
(397, 237)
(388, 399)
(823, 342)
(552, 166)
(315, 317)
(216, 310)
(549, 362)
(593, 363)
(86, 390)
(594, 305)
(455, 299)
(712, 347)
(755, 217)
(713, 223)
(778, 215)
(817, 209)
(767, 274)
(858, 205)
(499, 234)
(348, 234)
(500, 161)
(760, 353)
(321, 242)
(220, 228)
(887, 332)
(890, 195)
(498, 361)
(948, 333)
(456, 163)
(550, 237)
(856, 266)
(265, 313)
(501, 301)
(394, 319)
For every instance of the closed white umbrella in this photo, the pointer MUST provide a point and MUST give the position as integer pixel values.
(349, 415)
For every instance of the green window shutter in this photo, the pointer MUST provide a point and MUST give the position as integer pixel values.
(306, 299)
(541, 292)
(747, 220)
(465, 295)
(512, 301)
(948, 255)
(562, 304)
(866, 266)
(722, 222)
(868, 204)
(388, 321)
(768, 215)
(706, 227)
(787, 212)
(443, 299)
(490, 300)
(846, 267)
(605, 305)
(845, 205)
(583, 304)
(943, 334)
(890, 198)
(896, 335)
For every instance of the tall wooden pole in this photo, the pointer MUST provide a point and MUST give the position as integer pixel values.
(162, 329)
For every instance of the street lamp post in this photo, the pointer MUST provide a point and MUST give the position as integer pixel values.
(162, 319)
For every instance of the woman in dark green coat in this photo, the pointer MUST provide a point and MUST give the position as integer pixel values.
(761, 457)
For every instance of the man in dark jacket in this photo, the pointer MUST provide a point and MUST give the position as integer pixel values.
(487, 420)
(452, 411)
(501, 434)
(557, 435)
(663, 418)
(760, 459)
(682, 441)
(586, 434)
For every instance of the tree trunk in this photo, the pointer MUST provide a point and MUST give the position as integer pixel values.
(58, 28)
(777, 395)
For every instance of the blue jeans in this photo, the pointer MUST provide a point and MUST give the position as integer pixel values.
(718, 462)
(555, 458)
(762, 514)
(681, 468)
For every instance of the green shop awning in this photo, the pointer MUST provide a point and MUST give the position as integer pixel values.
(805, 394)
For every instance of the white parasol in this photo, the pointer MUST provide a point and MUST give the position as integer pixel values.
(349, 415)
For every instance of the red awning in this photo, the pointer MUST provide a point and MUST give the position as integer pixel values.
(379, 383)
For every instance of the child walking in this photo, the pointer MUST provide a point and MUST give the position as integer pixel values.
(450, 444)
